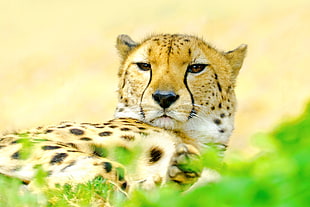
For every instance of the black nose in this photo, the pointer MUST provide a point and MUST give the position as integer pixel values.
(165, 98)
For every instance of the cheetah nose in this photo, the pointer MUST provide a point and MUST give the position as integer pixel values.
(165, 98)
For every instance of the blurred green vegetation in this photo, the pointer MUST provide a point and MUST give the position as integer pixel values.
(278, 176)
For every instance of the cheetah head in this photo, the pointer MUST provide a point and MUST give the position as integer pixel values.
(179, 82)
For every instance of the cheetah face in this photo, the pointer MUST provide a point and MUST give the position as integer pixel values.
(178, 82)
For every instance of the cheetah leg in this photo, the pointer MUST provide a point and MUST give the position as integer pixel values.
(186, 166)
(62, 164)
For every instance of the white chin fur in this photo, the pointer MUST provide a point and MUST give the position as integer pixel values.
(164, 122)
(206, 131)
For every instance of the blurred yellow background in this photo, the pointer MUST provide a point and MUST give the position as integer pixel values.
(58, 61)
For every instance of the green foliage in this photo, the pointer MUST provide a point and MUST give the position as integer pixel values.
(12, 194)
(278, 176)
(93, 193)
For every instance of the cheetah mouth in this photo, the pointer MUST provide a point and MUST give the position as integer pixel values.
(164, 121)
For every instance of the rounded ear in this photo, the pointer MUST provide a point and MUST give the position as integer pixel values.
(124, 45)
(235, 58)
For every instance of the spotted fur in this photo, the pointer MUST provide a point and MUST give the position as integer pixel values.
(205, 102)
(176, 96)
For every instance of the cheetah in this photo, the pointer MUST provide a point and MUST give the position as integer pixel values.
(175, 97)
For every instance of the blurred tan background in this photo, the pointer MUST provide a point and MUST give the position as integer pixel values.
(58, 61)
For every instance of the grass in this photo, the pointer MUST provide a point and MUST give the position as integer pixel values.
(278, 176)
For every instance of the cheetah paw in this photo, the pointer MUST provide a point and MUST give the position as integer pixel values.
(186, 166)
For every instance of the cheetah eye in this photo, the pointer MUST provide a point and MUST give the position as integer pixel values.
(144, 66)
(196, 68)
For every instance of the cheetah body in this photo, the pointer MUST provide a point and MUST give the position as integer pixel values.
(176, 95)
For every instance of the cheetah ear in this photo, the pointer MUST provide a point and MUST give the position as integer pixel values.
(124, 45)
(235, 58)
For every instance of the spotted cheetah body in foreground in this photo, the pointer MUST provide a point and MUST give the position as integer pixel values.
(176, 95)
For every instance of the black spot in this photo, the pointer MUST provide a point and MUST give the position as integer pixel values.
(124, 186)
(125, 129)
(73, 151)
(69, 165)
(186, 40)
(61, 127)
(47, 147)
(128, 137)
(100, 151)
(189, 51)
(16, 155)
(77, 131)
(72, 145)
(58, 158)
(112, 126)
(155, 155)
(212, 108)
(14, 142)
(120, 173)
(65, 126)
(219, 86)
(142, 128)
(215, 76)
(107, 166)
(105, 133)
(217, 121)
(86, 139)
(228, 107)
(121, 109)
(99, 127)
(123, 119)
(144, 133)
(222, 130)
(220, 105)
(106, 123)
(222, 115)
(49, 131)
